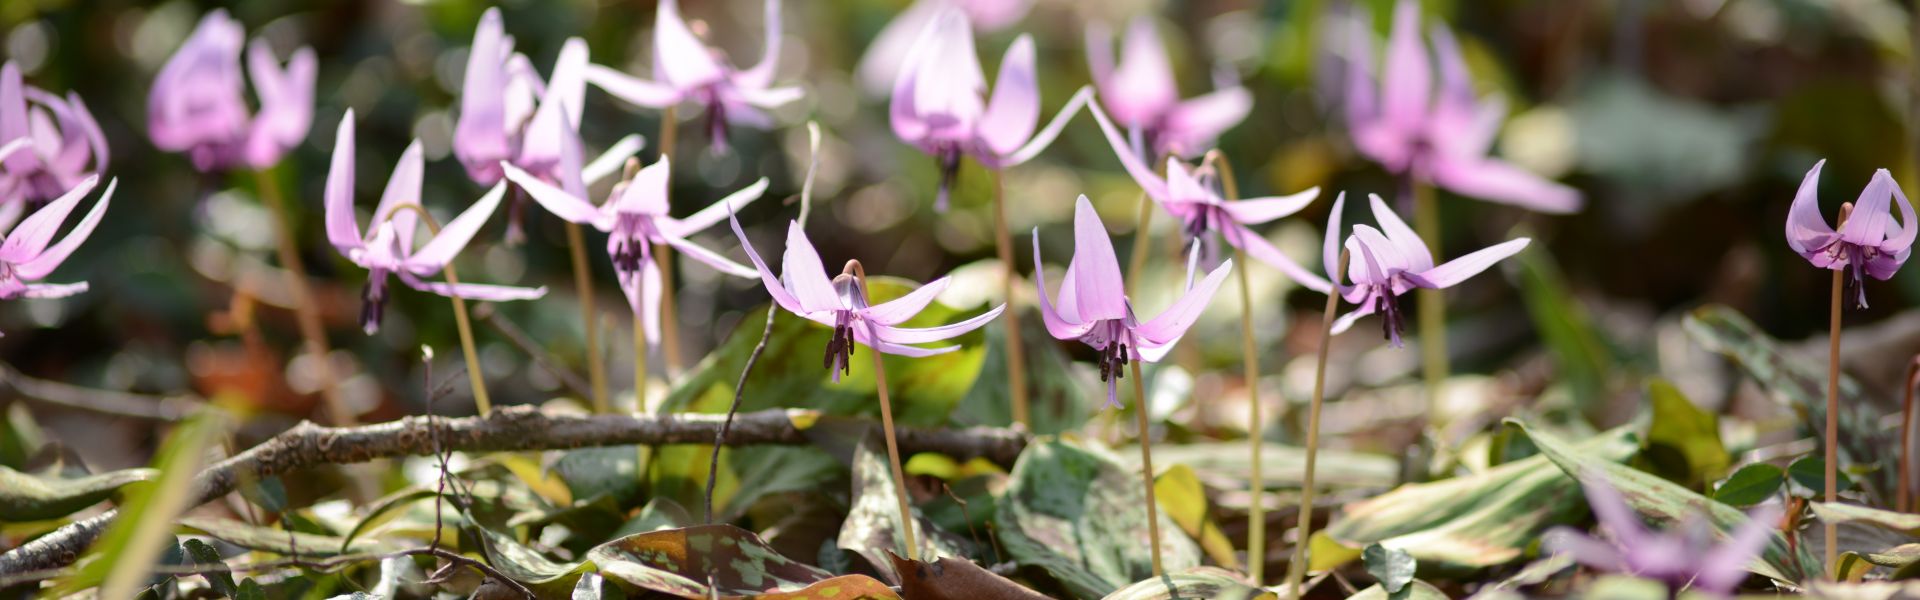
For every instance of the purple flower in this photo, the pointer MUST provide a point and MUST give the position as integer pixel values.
(63, 146)
(636, 217)
(1385, 266)
(1863, 241)
(880, 66)
(684, 68)
(29, 253)
(1681, 557)
(1440, 136)
(388, 249)
(803, 289)
(1192, 198)
(198, 104)
(1093, 307)
(1144, 98)
(939, 102)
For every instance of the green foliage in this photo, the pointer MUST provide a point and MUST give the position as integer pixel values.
(1417, 590)
(1197, 582)
(1750, 485)
(131, 545)
(1074, 512)
(1810, 474)
(1683, 441)
(1392, 567)
(679, 562)
(26, 497)
(872, 528)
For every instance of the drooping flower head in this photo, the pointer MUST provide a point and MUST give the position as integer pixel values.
(29, 253)
(687, 69)
(1145, 98)
(388, 249)
(1685, 556)
(63, 146)
(1438, 135)
(1863, 245)
(881, 64)
(198, 102)
(940, 104)
(1194, 198)
(802, 288)
(1093, 307)
(1385, 266)
(636, 217)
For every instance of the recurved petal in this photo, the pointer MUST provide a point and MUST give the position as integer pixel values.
(480, 135)
(776, 289)
(1015, 108)
(31, 236)
(569, 83)
(1868, 225)
(898, 310)
(1346, 321)
(712, 214)
(1457, 270)
(1260, 249)
(1498, 181)
(13, 114)
(1142, 174)
(473, 291)
(1097, 280)
(1407, 243)
(44, 264)
(647, 193)
(403, 188)
(53, 290)
(1142, 87)
(343, 229)
(1041, 140)
(454, 236)
(1173, 323)
(804, 273)
(1330, 243)
(1807, 230)
(1194, 124)
(1409, 77)
(554, 199)
(905, 335)
(1254, 211)
(1901, 241)
(1586, 550)
(1058, 325)
(712, 259)
(684, 61)
(760, 75)
(632, 89)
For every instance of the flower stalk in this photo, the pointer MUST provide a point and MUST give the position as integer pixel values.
(1297, 567)
(1016, 352)
(1433, 304)
(583, 287)
(1250, 365)
(475, 376)
(308, 317)
(1140, 410)
(1833, 399)
(1904, 496)
(886, 423)
(669, 335)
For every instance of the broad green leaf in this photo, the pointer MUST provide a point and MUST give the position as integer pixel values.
(545, 576)
(1683, 441)
(1897, 557)
(1479, 520)
(1801, 386)
(203, 556)
(872, 528)
(1668, 502)
(1907, 523)
(1197, 582)
(1393, 568)
(123, 556)
(1181, 497)
(25, 497)
(678, 562)
(612, 470)
(1418, 590)
(1075, 512)
(1325, 553)
(1058, 400)
(1750, 485)
(658, 514)
(1810, 472)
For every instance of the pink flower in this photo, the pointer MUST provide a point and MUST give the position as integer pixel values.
(1439, 135)
(1686, 556)
(684, 68)
(880, 66)
(29, 253)
(1863, 242)
(388, 249)
(1191, 197)
(940, 104)
(1093, 307)
(61, 144)
(636, 217)
(1145, 98)
(803, 289)
(198, 105)
(1385, 266)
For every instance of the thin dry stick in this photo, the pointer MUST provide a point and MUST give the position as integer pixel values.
(1250, 364)
(1433, 303)
(583, 287)
(1016, 353)
(460, 321)
(304, 310)
(1833, 401)
(1146, 466)
(1905, 493)
(1297, 566)
(886, 419)
(518, 337)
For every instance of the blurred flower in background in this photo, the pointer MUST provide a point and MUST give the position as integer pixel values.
(198, 106)
(62, 145)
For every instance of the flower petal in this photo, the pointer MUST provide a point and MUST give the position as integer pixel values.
(1409, 78)
(706, 217)
(898, 310)
(1173, 323)
(1142, 88)
(1902, 241)
(1346, 321)
(13, 115)
(805, 275)
(403, 187)
(286, 102)
(1041, 140)
(647, 193)
(904, 335)
(1142, 174)
(1457, 270)
(480, 135)
(42, 265)
(1193, 125)
(1405, 241)
(772, 282)
(30, 238)
(53, 290)
(1584, 549)
(454, 236)
(712, 259)
(1868, 225)
(1330, 243)
(1724, 567)
(632, 89)
(1015, 108)
(1259, 248)
(760, 75)
(613, 159)
(1498, 181)
(1254, 211)
(1807, 231)
(569, 83)
(473, 291)
(554, 199)
(680, 58)
(892, 50)
(343, 228)
(1102, 293)
(1061, 327)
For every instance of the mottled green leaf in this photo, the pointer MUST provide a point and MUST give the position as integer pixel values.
(1907, 523)
(658, 514)
(1668, 502)
(1750, 485)
(1393, 568)
(1181, 497)
(547, 577)
(1810, 472)
(872, 527)
(277, 541)
(25, 497)
(679, 562)
(203, 556)
(1476, 521)
(1198, 582)
(1417, 590)
(1281, 466)
(1075, 512)
(613, 470)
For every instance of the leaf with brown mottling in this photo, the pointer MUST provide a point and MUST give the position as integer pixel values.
(737, 563)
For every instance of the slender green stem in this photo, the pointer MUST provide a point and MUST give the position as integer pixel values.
(1142, 242)
(1833, 415)
(1016, 352)
(1256, 423)
(1140, 411)
(886, 423)
(305, 313)
(669, 334)
(583, 287)
(475, 377)
(1433, 307)
(1297, 567)
(1904, 496)
(639, 364)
